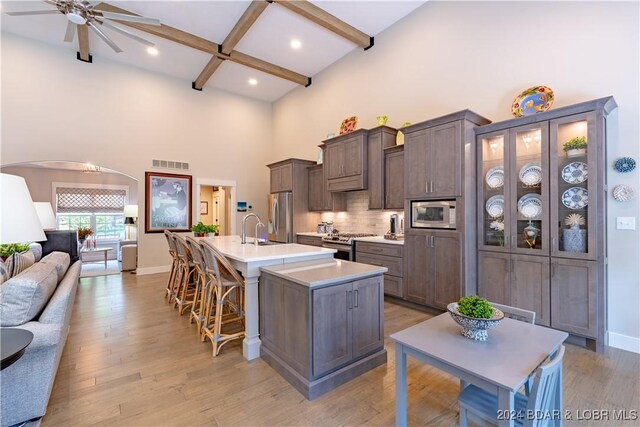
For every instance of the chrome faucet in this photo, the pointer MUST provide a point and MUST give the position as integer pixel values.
(243, 236)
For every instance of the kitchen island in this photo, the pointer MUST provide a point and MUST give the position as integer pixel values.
(322, 322)
(248, 258)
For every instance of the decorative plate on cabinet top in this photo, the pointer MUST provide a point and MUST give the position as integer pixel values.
(531, 173)
(495, 206)
(536, 99)
(348, 125)
(495, 177)
(575, 173)
(530, 205)
(575, 198)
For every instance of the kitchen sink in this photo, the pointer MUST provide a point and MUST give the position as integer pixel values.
(268, 243)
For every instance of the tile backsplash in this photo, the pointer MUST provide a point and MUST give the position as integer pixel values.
(358, 218)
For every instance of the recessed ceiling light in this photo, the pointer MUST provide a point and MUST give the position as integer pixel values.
(152, 51)
(296, 44)
(253, 82)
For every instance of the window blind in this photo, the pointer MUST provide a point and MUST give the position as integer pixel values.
(92, 200)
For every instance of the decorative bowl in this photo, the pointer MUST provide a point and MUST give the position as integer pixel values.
(348, 125)
(472, 327)
(536, 99)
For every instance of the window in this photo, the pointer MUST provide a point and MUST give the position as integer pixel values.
(97, 207)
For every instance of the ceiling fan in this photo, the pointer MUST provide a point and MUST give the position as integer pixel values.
(81, 12)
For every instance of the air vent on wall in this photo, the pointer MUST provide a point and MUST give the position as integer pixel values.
(170, 164)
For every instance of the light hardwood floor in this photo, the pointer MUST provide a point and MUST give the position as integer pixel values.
(130, 360)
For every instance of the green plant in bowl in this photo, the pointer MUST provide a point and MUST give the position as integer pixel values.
(201, 229)
(475, 306)
(577, 143)
(9, 249)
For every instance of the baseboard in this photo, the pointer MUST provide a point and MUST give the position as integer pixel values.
(624, 342)
(153, 270)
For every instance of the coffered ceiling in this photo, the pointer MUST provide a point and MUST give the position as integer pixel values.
(267, 40)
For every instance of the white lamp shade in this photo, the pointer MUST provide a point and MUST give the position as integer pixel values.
(20, 223)
(46, 215)
(131, 211)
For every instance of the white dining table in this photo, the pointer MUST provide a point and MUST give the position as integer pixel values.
(248, 258)
(501, 365)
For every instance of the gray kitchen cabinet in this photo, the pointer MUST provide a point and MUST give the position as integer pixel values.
(394, 177)
(556, 270)
(346, 160)
(309, 240)
(574, 296)
(378, 140)
(316, 188)
(281, 178)
(326, 335)
(387, 255)
(433, 268)
(517, 280)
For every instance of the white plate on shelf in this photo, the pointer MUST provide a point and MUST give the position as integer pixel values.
(495, 177)
(530, 205)
(495, 206)
(531, 173)
(575, 198)
(575, 173)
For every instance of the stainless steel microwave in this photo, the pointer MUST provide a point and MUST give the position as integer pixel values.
(433, 214)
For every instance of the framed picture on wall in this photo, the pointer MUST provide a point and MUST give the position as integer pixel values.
(168, 202)
(204, 208)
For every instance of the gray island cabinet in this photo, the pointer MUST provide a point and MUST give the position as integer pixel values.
(322, 322)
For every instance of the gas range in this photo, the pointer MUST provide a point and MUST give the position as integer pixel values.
(344, 238)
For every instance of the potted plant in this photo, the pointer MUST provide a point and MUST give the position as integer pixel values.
(9, 249)
(576, 146)
(202, 230)
(83, 233)
(475, 315)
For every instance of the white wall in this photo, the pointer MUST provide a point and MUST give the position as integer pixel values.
(448, 56)
(57, 108)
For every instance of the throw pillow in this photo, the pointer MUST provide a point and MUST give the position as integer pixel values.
(18, 262)
(60, 260)
(4, 272)
(36, 248)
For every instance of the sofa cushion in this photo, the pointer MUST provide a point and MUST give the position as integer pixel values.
(19, 262)
(36, 248)
(4, 272)
(24, 296)
(60, 260)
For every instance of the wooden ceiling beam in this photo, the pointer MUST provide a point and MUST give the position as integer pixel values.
(83, 43)
(204, 45)
(328, 21)
(245, 22)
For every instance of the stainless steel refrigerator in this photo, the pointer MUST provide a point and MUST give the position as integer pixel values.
(280, 227)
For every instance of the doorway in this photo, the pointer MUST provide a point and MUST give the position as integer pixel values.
(215, 207)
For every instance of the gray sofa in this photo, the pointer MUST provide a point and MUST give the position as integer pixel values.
(26, 385)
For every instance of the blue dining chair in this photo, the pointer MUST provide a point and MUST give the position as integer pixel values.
(545, 397)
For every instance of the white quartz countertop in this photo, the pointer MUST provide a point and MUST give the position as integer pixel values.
(379, 239)
(312, 234)
(324, 272)
(231, 247)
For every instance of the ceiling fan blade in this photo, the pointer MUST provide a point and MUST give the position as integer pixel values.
(34, 12)
(71, 31)
(104, 37)
(129, 18)
(127, 33)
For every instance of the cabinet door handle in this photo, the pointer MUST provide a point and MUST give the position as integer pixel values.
(426, 186)
(355, 304)
(507, 266)
(553, 268)
(430, 186)
(349, 300)
(514, 241)
(553, 244)
(433, 242)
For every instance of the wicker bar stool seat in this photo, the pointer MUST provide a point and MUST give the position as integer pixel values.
(225, 305)
(175, 262)
(202, 284)
(185, 289)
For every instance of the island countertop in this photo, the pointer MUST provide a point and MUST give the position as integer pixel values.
(231, 247)
(323, 272)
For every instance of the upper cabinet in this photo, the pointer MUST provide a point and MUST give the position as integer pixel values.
(378, 139)
(394, 177)
(320, 199)
(435, 155)
(281, 177)
(345, 160)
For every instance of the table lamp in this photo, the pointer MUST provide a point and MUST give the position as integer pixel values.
(20, 223)
(130, 216)
(45, 215)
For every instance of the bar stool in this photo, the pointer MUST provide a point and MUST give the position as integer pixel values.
(174, 265)
(184, 290)
(226, 304)
(202, 284)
